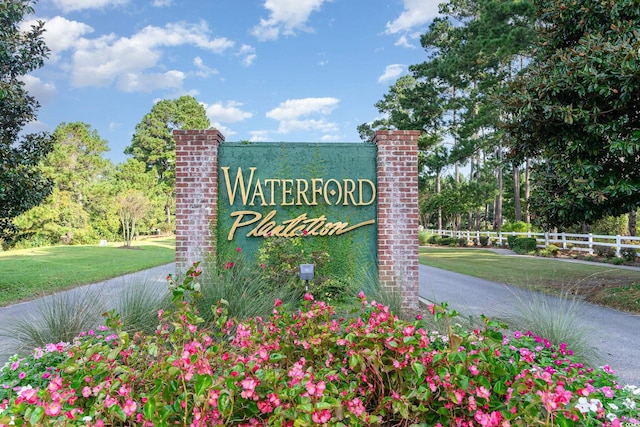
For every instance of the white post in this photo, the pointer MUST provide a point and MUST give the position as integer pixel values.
(618, 243)
(564, 240)
(590, 244)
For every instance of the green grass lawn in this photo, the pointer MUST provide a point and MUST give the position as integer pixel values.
(31, 273)
(597, 283)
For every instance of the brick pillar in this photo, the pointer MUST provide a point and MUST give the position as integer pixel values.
(398, 214)
(196, 194)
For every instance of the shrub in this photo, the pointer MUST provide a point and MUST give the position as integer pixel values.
(311, 368)
(434, 239)
(523, 245)
(616, 260)
(517, 226)
(605, 251)
(485, 240)
(448, 241)
(629, 254)
(511, 241)
(550, 251)
(423, 237)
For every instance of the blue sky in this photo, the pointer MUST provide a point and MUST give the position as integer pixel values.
(265, 70)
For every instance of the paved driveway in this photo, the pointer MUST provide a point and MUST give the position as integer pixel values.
(613, 335)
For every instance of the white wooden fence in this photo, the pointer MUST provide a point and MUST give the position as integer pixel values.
(576, 242)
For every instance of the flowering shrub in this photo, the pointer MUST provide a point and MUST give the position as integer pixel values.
(311, 367)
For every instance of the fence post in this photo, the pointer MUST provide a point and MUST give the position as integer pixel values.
(590, 244)
(564, 240)
(618, 244)
(546, 239)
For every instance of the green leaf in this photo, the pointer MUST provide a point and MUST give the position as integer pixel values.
(418, 368)
(203, 382)
(36, 415)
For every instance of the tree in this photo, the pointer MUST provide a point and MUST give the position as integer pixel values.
(153, 142)
(22, 185)
(132, 207)
(575, 109)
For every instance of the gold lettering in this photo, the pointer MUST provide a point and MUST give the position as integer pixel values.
(264, 227)
(287, 190)
(328, 192)
(257, 191)
(315, 190)
(302, 193)
(272, 184)
(348, 192)
(239, 181)
(361, 195)
(238, 222)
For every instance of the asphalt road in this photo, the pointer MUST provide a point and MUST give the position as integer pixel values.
(614, 336)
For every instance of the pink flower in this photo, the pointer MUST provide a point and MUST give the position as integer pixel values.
(129, 407)
(278, 302)
(408, 330)
(355, 406)
(86, 392)
(474, 370)
(248, 386)
(229, 265)
(418, 316)
(238, 250)
(308, 297)
(305, 232)
(321, 417)
(482, 392)
(53, 409)
(263, 266)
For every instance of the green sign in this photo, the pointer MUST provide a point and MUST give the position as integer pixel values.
(323, 194)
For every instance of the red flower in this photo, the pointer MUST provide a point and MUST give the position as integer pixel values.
(238, 250)
(229, 265)
(305, 232)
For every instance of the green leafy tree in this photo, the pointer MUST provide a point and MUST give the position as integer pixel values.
(133, 206)
(153, 142)
(575, 110)
(22, 185)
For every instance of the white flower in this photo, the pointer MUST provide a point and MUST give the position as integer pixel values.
(612, 406)
(629, 404)
(611, 416)
(633, 389)
(582, 405)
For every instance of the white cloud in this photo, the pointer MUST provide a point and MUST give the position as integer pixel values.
(259, 136)
(162, 3)
(403, 41)
(227, 132)
(147, 82)
(227, 113)
(330, 138)
(290, 112)
(60, 34)
(71, 5)
(416, 13)
(203, 70)
(286, 17)
(292, 109)
(391, 72)
(128, 62)
(248, 54)
(42, 92)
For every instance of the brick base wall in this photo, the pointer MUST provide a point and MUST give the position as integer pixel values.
(196, 193)
(398, 215)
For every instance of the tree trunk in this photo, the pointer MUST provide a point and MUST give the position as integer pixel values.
(498, 205)
(438, 189)
(632, 223)
(527, 191)
(516, 192)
